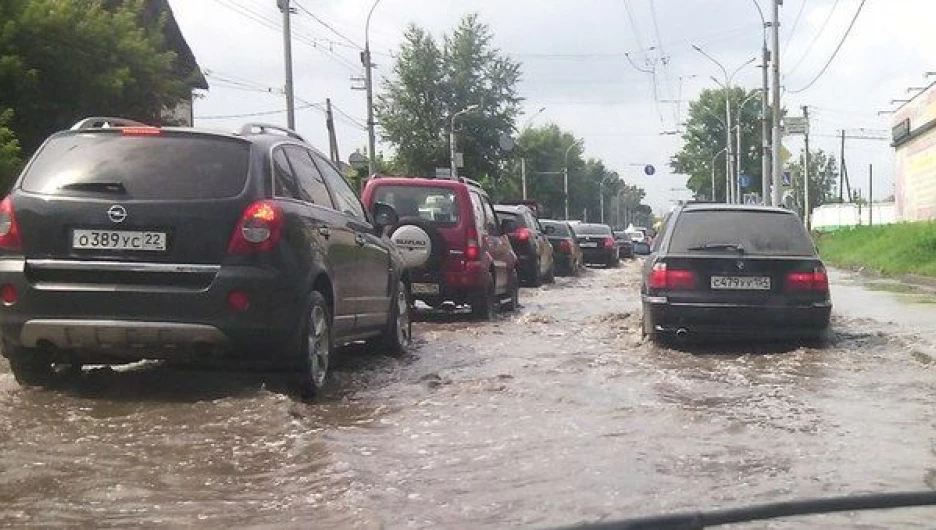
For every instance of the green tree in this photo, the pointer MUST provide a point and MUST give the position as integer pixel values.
(823, 175)
(704, 138)
(430, 83)
(64, 60)
(9, 150)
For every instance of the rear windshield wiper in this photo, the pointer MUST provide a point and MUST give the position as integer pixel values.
(738, 247)
(116, 188)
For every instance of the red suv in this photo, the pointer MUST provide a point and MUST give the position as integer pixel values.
(451, 242)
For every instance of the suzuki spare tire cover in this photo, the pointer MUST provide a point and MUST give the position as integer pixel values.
(419, 244)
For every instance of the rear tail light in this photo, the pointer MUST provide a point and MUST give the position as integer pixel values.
(238, 302)
(8, 294)
(662, 277)
(259, 229)
(565, 246)
(523, 234)
(816, 281)
(9, 228)
(140, 131)
(472, 250)
(609, 242)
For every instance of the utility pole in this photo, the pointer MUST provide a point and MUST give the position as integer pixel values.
(775, 88)
(729, 185)
(870, 194)
(842, 170)
(523, 176)
(287, 54)
(806, 210)
(369, 87)
(765, 128)
(601, 199)
(332, 138)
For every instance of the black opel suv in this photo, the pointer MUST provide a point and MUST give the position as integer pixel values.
(121, 242)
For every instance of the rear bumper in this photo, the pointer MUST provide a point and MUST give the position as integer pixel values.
(107, 323)
(772, 322)
(453, 285)
(599, 255)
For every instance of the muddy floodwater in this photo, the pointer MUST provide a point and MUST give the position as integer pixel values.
(554, 415)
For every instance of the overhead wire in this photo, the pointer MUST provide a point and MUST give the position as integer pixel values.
(327, 25)
(808, 49)
(795, 24)
(834, 53)
(651, 65)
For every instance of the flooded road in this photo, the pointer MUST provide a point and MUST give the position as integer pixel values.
(554, 415)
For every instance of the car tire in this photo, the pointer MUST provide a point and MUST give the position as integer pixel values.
(551, 273)
(398, 335)
(484, 305)
(536, 279)
(513, 290)
(316, 347)
(31, 367)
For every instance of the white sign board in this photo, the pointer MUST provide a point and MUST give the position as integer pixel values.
(459, 160)
(443, 173)
(795, 125)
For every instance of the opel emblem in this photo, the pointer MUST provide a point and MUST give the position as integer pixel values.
(117, 213)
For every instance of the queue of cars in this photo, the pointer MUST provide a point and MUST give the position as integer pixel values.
(121, 242)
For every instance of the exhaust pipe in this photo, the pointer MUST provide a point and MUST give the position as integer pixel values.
(682, 333)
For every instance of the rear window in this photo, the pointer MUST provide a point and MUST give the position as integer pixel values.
(592, 230)
(558, 229)
(429, 203)
(511, 221)
(766, 233)
(140, 167)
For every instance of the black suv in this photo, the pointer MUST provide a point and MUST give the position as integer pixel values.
(121, 242)
(730, 270)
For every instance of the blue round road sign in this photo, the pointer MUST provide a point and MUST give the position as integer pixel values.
(649, 169)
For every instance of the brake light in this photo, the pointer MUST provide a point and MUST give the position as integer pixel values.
(565, 246)
(815, 281)
(609, 242)
(662, 277)
(9, 228)
(8, 294)
(259, 229)
(523, 234)
(472, 250)
(238, 301)
(140, 131)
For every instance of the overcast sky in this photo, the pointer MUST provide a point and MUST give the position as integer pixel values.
(574, 65)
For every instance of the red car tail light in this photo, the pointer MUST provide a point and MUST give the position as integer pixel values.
(609, 242)
(140, 131)
(472, 250)
(565, 246)
(259, 229)
(523, 234)
(238, 302)
(8, 294)
(815, 281)
(662, 277)
(9, 228)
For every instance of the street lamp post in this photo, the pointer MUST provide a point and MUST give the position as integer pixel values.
(369, 85)
(738, 159)
(565, 176)
(765, 126)
(523, 174)
(727, 88)
(712, 165)
(452, 145)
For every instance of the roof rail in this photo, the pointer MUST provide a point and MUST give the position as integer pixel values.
(472, 182)
(265, 128)
(103, 122)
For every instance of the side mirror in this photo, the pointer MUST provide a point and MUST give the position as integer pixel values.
(384, 216)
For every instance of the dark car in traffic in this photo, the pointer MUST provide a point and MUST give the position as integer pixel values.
(451, 241)
(566, 250)
(534, 251)
(598, 244)
(121, 242)
(735, 271)
(625, 244)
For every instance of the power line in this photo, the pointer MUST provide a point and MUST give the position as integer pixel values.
(795, 24)
(254, 114)
(834, 53)
(327, 25)
(809, 48)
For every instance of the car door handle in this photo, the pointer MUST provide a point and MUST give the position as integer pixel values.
(360, 239)
(324, 232)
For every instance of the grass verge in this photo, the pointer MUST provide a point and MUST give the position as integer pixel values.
(896, 249)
